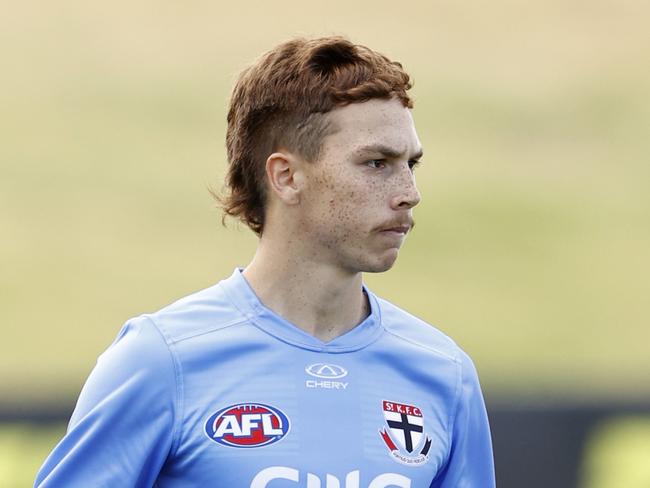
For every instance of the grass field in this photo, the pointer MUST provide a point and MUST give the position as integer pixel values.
(531, 248)
(23, 448)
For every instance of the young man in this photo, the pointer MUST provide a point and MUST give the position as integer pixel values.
(291, 373)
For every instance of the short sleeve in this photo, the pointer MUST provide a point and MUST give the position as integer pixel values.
(470, 463)
(122, 428)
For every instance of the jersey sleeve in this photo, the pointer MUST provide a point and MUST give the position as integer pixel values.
(470, 463)
(122, 428)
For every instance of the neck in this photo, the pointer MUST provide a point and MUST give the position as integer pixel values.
(322, 300)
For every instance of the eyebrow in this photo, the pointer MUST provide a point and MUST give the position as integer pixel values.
(389, 151)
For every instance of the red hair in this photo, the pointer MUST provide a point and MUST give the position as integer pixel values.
(282, 101)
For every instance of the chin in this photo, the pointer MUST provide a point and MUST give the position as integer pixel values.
(381, 263)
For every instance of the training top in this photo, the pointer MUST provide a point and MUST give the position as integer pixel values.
(216, 390)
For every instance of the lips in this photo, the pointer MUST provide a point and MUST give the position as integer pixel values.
(399, 229)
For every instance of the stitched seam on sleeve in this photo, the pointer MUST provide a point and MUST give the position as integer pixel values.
(430, 349)
(456, 406)
(178, 390)
(207, 330)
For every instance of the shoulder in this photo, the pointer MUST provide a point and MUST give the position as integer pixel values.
(422, 336)
(201, 312)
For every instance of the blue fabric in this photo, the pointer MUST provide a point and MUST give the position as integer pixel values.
(216, 390)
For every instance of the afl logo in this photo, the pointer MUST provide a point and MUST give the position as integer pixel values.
(247, 425)
(328, 371)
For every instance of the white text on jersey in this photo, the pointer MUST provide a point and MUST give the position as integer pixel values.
(264, 477)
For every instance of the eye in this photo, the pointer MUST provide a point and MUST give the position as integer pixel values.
(413, 163)
(376, 163)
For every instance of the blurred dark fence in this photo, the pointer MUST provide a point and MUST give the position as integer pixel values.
(535, 446)
(543, 446)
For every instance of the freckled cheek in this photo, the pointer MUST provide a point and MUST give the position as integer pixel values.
(347, 204)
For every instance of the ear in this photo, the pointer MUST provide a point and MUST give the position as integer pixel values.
(282, 170)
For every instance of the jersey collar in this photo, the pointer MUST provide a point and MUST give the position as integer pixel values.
(244, 298)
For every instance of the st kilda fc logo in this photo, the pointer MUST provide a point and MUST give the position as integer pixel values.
(404, 435)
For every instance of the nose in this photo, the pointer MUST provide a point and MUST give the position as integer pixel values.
(406, 193)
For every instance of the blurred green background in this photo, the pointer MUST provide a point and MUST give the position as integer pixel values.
(531, 248)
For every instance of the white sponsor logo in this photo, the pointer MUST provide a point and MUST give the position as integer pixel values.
(326, 371)
(385, 480)
(328, 374)
(328, 385)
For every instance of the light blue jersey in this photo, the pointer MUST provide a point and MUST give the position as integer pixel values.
(216, 390)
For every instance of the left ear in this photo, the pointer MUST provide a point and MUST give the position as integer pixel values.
(283, 170)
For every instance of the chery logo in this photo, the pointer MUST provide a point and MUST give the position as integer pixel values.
(326, 371)
(385, 480)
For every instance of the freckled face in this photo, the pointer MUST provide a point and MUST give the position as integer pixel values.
(355, 209)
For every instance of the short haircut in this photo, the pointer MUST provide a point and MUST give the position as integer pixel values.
(282, 101)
